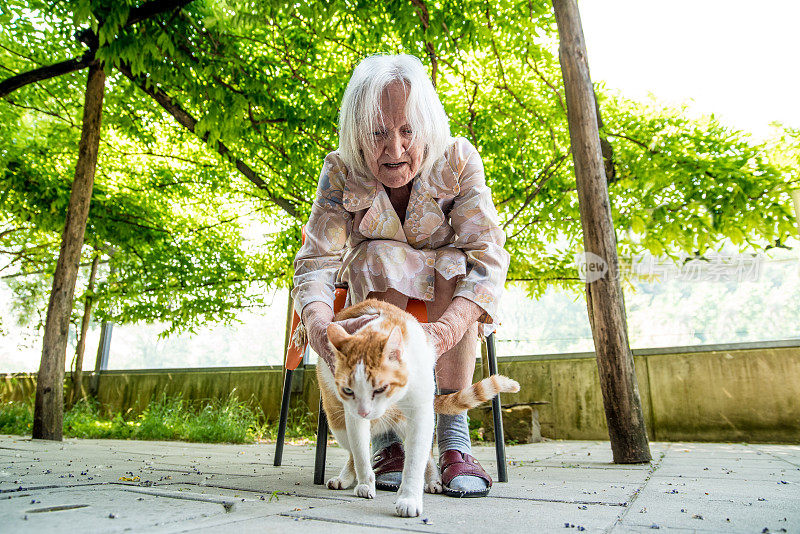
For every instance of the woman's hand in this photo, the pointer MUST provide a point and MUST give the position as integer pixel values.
(451, 326)
(316, 317)
(437, 336)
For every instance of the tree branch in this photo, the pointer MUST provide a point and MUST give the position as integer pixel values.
(45, 73)
(87, 36)
(546, 175)
(43, 112)
(425, 19)
(187, 121)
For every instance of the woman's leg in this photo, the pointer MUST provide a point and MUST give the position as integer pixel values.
(455, 368)
(454, 371)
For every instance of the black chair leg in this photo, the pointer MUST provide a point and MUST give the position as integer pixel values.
(497, 415)
(287, 393)
(322, 446)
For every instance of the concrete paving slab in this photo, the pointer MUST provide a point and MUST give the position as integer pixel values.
(151, 509)
(706, 505)
(286, 481)
(98, 509)
(75, 472)
(577, 474)
(447, 515)
(679, 490)
(570, 486)
(767, 471)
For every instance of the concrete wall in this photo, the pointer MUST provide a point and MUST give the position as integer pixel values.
(742, 392)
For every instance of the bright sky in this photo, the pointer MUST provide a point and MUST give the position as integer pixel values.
(733, 58)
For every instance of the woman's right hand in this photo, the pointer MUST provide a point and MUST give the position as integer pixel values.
(316, 318)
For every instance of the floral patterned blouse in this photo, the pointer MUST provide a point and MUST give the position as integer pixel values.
(451, 226)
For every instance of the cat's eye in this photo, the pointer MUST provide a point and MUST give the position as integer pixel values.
(380, 389)
(347, 391)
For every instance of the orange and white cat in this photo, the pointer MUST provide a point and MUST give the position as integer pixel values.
(384, 380)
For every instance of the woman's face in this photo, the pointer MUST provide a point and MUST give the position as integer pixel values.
(395, 161)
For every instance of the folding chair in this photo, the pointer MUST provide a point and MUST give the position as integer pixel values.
(295, 355)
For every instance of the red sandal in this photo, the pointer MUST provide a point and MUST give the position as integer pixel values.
(388, 460)
(454, 463)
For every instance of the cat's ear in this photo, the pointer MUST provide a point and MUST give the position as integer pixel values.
(337, 335)
(393, 350)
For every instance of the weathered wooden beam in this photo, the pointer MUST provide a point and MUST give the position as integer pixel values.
(77, 391)
(604, 297)
(48, 412)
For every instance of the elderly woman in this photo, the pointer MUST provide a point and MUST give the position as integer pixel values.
(403, 211)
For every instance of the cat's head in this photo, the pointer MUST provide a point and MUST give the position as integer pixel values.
(371, 372)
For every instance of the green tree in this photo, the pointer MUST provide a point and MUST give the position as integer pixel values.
(227, 108)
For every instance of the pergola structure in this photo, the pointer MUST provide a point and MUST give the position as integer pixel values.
(603, 293)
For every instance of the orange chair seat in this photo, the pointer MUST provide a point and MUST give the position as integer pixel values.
(294, 354)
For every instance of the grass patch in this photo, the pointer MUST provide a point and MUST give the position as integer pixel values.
(476, 430)
(301, 425)
(166, 419)
(16, 417)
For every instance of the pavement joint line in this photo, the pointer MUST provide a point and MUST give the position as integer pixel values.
(226, 523)
(611, 466)
(337, 499)
(625, 528)
(68, 486)
(557, 501)
(227, 504)
(201, 473)
(796, 466)
(654, 465)
(33, 488)
(360, 524)
(15, 449)
(698, 478)
(9, 496)
(286, 493)
(57, 508)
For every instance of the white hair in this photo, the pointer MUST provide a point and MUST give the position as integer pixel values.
(360, 114)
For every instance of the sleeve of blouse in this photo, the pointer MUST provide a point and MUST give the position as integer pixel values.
(319, 259)
(478, 233)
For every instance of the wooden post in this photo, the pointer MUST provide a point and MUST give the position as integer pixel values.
(101, 361)
(48, 412)
(604, 298)
(77, 391)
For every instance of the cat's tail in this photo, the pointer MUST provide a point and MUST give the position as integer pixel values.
(477, 393)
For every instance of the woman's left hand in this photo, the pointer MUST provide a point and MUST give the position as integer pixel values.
(438, 336)
(451, 326)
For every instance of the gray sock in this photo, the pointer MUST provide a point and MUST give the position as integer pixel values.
(452, 432)
(382, 441)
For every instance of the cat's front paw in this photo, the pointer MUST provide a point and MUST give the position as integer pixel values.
(339, 483)
(434, 485)
(366, 491)
(409, 506)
